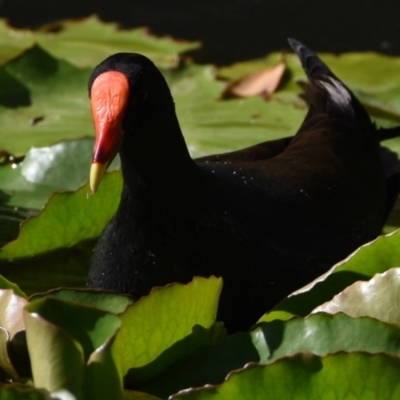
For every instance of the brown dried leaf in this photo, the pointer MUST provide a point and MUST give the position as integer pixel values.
(263, 82)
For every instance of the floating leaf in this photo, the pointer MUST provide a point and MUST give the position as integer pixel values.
(107, 301)
(320, 334)
(304, 376)
(102, 380)
(152, 326)
(66, 267)
(88, 41)
(71, 343)
(84, 217)
(28, 184)
(57, 359)
(11, 306)
(56, 90)
(370, 259)
(378, 298)
(263, 82)
(90, 326)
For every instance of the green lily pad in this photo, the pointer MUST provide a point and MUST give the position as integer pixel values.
(65, 267)
(28, 185)
(75, 335)
(57, 359)
(370, 259)
(339, 376)
(84, 217)
(103, 380)
(106, 301)
(56, 93)
(90, 326)
(62, 167)
(156, 323)
(377, 298)
(87, 42)
(320, 334)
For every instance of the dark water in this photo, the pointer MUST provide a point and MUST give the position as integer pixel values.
(234, 30)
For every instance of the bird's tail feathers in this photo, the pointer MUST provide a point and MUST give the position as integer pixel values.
(327, 93)
(330, 96)
(311, 63)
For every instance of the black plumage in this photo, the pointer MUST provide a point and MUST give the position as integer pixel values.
(268, 219)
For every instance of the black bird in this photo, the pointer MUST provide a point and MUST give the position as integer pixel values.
(268, 219)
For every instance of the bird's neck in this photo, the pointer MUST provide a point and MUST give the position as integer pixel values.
(156, 158)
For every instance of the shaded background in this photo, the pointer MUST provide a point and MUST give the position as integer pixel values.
(233, 30)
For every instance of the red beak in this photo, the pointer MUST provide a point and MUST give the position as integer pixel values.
(108, 99)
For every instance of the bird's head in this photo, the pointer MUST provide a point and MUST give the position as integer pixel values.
(127, 95)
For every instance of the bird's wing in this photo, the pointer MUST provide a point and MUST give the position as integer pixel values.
(261, 151)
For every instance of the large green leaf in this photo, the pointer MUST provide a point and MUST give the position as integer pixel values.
(67, 219)
(57, 359)
(370, 259)
(45, 170)
(90, 326)
(67, 267)
(165, 326)
(27, 185)
(103, 379)
(342, 376)
(89, 41)
(76, 335)
(55, 90)
(320, 334)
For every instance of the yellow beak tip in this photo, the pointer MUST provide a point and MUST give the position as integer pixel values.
(97, 170)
